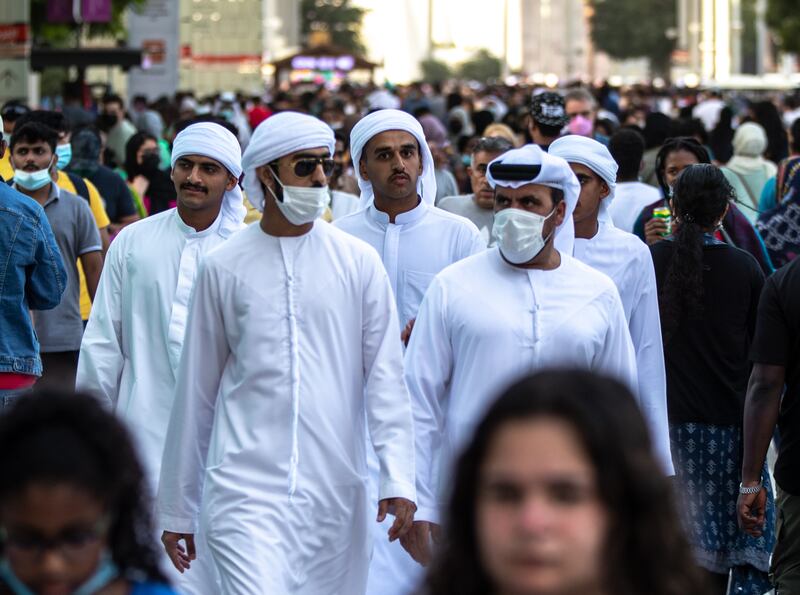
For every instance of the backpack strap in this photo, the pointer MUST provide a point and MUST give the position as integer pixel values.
(81, 189)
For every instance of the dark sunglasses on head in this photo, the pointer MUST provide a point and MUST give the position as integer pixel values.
(306, 166)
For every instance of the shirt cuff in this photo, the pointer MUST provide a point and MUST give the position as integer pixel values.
(90, 249)
(427, 513)
(176, 524)
(398, 489)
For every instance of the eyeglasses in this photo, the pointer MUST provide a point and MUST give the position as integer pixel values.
(72, 544)
(305, 167)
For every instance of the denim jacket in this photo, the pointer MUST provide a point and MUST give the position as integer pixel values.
(32, 276)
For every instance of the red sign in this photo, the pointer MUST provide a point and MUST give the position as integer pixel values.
(16, 34)
(14, 40)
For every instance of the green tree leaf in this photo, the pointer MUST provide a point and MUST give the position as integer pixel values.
(338, 17)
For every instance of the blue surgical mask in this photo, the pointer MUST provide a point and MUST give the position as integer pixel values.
(64, 153)
(106, 573)
(32, 180)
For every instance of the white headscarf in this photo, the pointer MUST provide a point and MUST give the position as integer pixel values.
(218, 143)
(382, 121)
(594, 155)
(277, 136)
(749, 140)
(554, 172)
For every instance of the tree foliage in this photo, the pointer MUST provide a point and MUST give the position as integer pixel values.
(783, 17)
(481, 67)
(66, 34)
(635, 29)
(435, 71)
(338, 17)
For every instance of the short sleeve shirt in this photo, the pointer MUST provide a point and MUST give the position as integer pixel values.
(777, 343)
(74, 228)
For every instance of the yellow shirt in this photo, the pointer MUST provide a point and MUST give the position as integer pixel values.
(100, 218)
(6, 171)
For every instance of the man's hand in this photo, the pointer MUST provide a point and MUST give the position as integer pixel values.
(417, 542)
(655, 230)
(403, 511)
(405, 336)
(751, 510)
(181, 557)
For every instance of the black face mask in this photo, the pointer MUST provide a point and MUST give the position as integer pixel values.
(150, 163)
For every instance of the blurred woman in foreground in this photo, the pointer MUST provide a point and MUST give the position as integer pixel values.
(559, 493)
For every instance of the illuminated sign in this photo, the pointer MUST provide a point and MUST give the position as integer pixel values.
(341, 63)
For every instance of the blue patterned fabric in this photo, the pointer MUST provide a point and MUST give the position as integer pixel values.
(707, 462)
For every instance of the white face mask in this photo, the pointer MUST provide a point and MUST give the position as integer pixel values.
(301, 205)
(519, 234)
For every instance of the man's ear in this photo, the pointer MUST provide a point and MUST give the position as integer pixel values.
(604, 189)
(231, 183)
(265, 176)
(362, 169)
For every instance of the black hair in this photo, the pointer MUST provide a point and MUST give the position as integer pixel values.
(700, 196)
(690, 127)
(673, 145)
(795, 130)
(135, 142)
(627, 148)
(720, 141)
(546, 130)
(34, 132)
(113, 98)
(766, 114)
(51, 119)
(492, 144)
(184, 124)
(656, 129)
(646, 551)
(59, 437)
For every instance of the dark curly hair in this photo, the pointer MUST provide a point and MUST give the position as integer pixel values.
(646, 552)
(700, 196)
(70, 438)
(673, 145)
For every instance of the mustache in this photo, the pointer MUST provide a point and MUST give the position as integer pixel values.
(188, 186)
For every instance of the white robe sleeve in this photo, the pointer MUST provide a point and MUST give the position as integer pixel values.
(617, 357)
(388, 406)
(471, 242)
(429, 363)
(101, 356)
(205, 352)
(645, 328)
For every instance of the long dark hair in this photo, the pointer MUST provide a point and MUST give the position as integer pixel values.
(700, 196)
(132, 168)
(70, 438)
(645, 550)
(766, 114)
(673, 145)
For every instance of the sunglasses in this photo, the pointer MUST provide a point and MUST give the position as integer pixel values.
(306, 166)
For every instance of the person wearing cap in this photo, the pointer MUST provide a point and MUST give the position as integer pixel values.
(547, 118)
(627, 261)
(523, 305)
(415, 240)
(291, 354)
(132, 344)
(10, 113)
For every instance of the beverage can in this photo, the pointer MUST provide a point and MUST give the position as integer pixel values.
(664, 214)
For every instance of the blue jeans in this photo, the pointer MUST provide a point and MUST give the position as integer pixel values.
(9, 396)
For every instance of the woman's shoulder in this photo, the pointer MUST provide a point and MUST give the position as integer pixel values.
(152, 589)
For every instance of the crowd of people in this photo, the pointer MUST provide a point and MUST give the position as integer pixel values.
(425, 339)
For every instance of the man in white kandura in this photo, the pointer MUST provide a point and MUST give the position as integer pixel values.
(521, 306)
(626, 259)
(291, 354)
(132, 345)
(415, 240)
